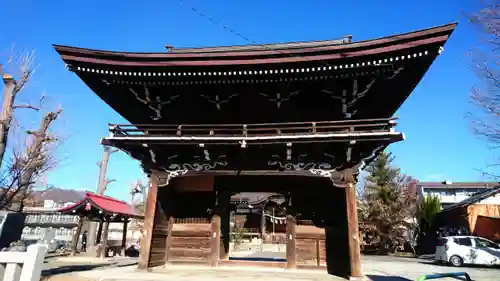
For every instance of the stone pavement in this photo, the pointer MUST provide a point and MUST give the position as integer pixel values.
(195, 273)
(387, 268)
(376, 268)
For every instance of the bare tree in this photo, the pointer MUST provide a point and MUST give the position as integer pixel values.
(12, 87)
(103, 166)
(29, 165)
(486, 62)
(35, 157)
(138, 188)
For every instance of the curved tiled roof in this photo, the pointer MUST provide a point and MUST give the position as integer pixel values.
(260, 54)
(108, 206)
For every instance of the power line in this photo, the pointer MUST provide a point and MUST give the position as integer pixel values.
(222, 25)
(219, 23)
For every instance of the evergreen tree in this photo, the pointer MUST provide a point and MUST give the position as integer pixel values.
(426, 212)
(387, 202)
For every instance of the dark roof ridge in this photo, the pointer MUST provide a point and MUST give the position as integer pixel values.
(246, 50)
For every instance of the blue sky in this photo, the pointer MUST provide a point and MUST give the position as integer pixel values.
(438, 143)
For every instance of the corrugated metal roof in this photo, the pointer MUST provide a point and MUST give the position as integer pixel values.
(477, 197)
(457, 184)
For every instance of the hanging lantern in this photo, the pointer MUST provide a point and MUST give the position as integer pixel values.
(88, 206)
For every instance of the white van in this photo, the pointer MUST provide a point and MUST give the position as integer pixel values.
(459, 250)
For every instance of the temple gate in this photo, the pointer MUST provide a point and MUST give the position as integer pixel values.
(299, 119)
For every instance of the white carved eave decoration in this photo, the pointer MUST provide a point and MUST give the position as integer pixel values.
(217, 101)
(170, 175)
(156, 105)
(355, 96)
(177, 170)
(300, 165)
(396, 72)
(279, 98)
(153, 156)
(200, 166)
(323, 172)
(348, 101)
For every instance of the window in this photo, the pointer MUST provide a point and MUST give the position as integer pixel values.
(441, 242)
(482, 243)
(463, 241)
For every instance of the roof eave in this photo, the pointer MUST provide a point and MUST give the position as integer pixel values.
(436, 35)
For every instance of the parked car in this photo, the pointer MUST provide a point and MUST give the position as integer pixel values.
(459, 250)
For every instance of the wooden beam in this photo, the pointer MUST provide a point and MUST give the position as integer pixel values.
(76, 238)
(104, 248)
(353, 232)
(291, 254)
(149, 218)
(215, 241)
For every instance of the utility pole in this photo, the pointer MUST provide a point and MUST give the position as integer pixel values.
(101, 187)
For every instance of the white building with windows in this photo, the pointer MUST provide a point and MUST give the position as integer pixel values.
(38, 219)
(453, 192)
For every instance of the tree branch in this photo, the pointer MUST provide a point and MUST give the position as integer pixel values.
(108, 181)
(28, 106)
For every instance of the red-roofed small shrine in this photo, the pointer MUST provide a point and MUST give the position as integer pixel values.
(104, 210)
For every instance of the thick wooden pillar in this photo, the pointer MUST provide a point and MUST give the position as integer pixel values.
(76, 236)
(291, 254)
(215, 241)
(224, 198)
(104, 248)
(99, 232)
(149, 218)
(353, 231)
(124, 237)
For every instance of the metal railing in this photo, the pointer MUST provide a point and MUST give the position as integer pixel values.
(247, 130)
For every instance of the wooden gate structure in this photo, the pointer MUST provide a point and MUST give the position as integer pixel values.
(300, 119)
